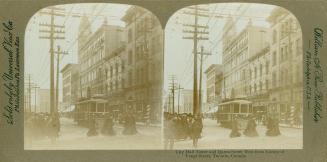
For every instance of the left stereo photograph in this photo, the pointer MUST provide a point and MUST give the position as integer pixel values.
(93, 78)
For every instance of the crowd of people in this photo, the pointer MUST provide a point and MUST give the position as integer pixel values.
(187, 126)
(128, 121)
(41, 125)
(272, 125)
(181, 127)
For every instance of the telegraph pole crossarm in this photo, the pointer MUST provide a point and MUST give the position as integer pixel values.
(52, 32)
(197, 35)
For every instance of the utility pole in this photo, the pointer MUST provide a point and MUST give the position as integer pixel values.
(179, 93)
(58, 52)
(168, 106)
(200, 89)
(35, 87)
(196, 32)
(54, 31)
(172, 88)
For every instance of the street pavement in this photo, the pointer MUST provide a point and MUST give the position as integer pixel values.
(73, 137)
(216, 137)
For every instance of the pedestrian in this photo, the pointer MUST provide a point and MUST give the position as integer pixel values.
(196, 130)
(235, 129)
(273, 126)
(169, 131)
(92, 128)
(250, 129)
(108, 125)
(53, 127)
(129, 124)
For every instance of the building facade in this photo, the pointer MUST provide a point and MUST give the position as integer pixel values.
(286, 66)
(144, 61)
(70, 84)
(44, 100)
(237, 49)
(213, 85)
(121, 68)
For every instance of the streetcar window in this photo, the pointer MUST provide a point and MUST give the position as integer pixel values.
(236, 108)
(244, 108)
(250, 109)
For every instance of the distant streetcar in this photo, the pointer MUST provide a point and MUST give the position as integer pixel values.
(229, 110)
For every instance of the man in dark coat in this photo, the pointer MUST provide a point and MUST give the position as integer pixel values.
(129, 125)
(108, 125)
(169, 131)
(92, 128)
(273, 126)
(235, 130)
(250, 129)
(53, 127)
(196, 130)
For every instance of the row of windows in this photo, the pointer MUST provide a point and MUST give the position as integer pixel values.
(142, 26)
(287, 76)
(286, 28)
(95, 46)
(286, 51)
(259, 87)
(239, 59)
(237, 44)
(92, 59)
(257, 71)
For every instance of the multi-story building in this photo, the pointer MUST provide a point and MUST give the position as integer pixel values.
(44, 100)
(187, 101)
(115, 76)
(259, 79)
(144, 61)
(286, 66)
(214, 85)
(70, 84)
(237, 49)
(94, 48)
(97, 53)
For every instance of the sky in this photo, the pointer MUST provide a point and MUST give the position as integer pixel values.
(178, 52)
(37, 56)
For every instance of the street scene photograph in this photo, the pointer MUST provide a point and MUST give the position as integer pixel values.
(233, 78)
(93, 78)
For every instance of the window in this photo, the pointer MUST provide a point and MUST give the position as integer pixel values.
(111, 71)
(130, 78)
(266, 84)
(122, 83)
(255, 72)
(281, 54)
(274, 58)
(255, 87)
(130, 57)
(274, 79)
(260, 69)
(130, 35)
(267, 67)
(281, 76)
(250, 74)
(122, 66)
(274, 36)
(117, 68)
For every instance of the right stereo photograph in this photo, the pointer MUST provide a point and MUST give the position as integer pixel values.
(233, 78)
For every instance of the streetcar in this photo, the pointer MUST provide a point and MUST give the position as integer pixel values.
(236, 108)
